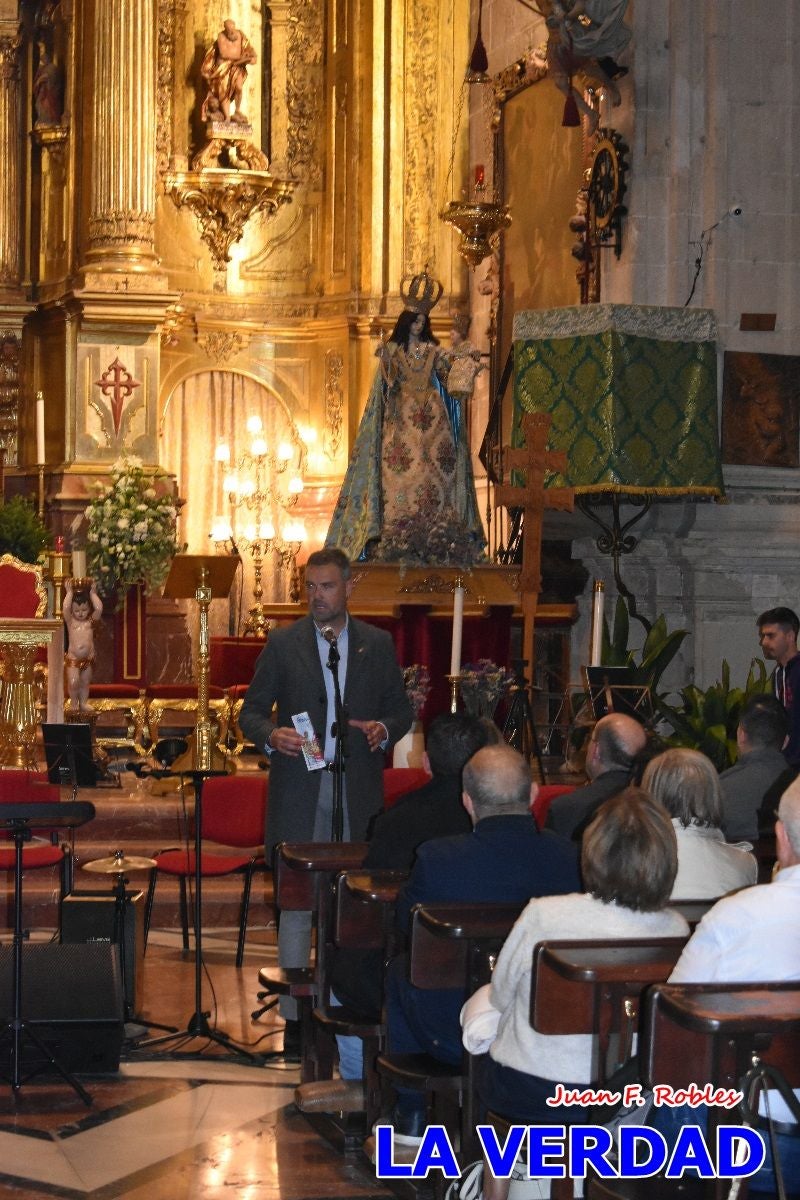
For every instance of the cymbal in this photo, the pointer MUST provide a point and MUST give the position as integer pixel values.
(118, 864)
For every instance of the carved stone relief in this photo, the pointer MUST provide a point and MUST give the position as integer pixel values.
(169, 13)
(9, 395)
(334, 402)
(421, 149)
(305, 91)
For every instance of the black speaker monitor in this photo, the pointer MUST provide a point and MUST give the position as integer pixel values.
(72, 999)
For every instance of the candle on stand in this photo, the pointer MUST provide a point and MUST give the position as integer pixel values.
(458, 625)
(40, 458)
(78, 564)
(596, 646)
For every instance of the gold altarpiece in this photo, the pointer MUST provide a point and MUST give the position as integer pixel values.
(117, 298)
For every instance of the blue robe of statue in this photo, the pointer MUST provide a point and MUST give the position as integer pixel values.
(410, 468)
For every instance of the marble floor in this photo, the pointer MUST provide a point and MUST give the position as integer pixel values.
(167, 1129)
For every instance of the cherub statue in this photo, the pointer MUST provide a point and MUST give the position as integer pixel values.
(82, 607)
(464, 360)
(224, 69)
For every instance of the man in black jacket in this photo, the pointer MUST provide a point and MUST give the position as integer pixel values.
(435, 809)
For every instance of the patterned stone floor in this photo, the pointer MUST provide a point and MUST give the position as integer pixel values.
(167, 1129)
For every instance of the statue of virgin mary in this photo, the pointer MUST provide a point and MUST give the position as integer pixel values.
(409, 490)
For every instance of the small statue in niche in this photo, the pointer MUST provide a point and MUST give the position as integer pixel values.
(48, 91)
(224, 69)
(82, 607)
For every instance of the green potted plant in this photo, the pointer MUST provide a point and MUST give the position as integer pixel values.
(706, 719)
(22, 533)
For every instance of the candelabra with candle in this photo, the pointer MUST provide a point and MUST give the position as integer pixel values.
(257, 487)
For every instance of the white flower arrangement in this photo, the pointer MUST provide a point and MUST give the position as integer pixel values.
(132, 534)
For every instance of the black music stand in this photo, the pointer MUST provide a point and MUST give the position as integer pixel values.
(190, 575)
(18, 819)
(70, 755)
(340, 729)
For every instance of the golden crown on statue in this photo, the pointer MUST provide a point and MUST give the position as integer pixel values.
(420, 293)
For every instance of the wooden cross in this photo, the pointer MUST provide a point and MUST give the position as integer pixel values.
(533, 498)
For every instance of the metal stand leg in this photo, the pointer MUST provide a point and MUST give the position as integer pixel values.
(519, 728)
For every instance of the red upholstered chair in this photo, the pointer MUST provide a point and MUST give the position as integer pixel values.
(233, 815)
(22, 593)
(399, 780)
(544, 797)
(32, 787)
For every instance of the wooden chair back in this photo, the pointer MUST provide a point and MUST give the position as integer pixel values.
(711, 1032)
(456, 945)
(595, 987)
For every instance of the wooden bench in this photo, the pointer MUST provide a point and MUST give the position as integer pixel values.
(451, 946)
(711, 1033)
(360, 919)
(303, 874)
(595, 988)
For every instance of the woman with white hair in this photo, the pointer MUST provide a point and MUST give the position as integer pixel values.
(687, 784)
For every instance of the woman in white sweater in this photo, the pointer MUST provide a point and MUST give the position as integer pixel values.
(687, 784)
(628, 861)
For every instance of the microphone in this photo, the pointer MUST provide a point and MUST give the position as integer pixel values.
(329, 635)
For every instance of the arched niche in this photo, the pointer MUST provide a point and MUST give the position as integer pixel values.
(202, 410)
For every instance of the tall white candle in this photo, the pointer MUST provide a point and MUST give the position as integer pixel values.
(40, 458)
(79, 564)
(458, 626)
(596, 650)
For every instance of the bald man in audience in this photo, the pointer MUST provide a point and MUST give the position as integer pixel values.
(615, 745)
(504, 859)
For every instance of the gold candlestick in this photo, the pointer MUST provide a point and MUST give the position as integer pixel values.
(58, 569)
(455, 683)
(40, 469)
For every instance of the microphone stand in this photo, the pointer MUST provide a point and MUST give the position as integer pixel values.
(340, 753)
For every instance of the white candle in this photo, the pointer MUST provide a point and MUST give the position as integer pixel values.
(595, 653)
(40, 458)
(458, 625)
(79, 564)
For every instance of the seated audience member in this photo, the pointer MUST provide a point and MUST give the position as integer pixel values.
(504, 859)
(432, 811)
(687, 784)
(763, 726)
(614, 746)
(753, 937)
(629, 862)
(435, 809)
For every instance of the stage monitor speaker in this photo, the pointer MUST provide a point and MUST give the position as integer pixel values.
(72, 1000)
(90, 917)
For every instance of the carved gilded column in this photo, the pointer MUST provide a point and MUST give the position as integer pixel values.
(10, 157)
(122, 189)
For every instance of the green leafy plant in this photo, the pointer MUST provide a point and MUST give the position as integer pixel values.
(658, 651)
(22, 533)
(706, 720)
(646, 666)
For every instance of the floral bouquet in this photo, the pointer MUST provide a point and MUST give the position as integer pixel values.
(132, 534)
(420, 540)
(483, 684)
(417, 682)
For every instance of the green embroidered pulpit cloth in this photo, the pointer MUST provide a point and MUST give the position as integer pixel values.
(632, 391)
